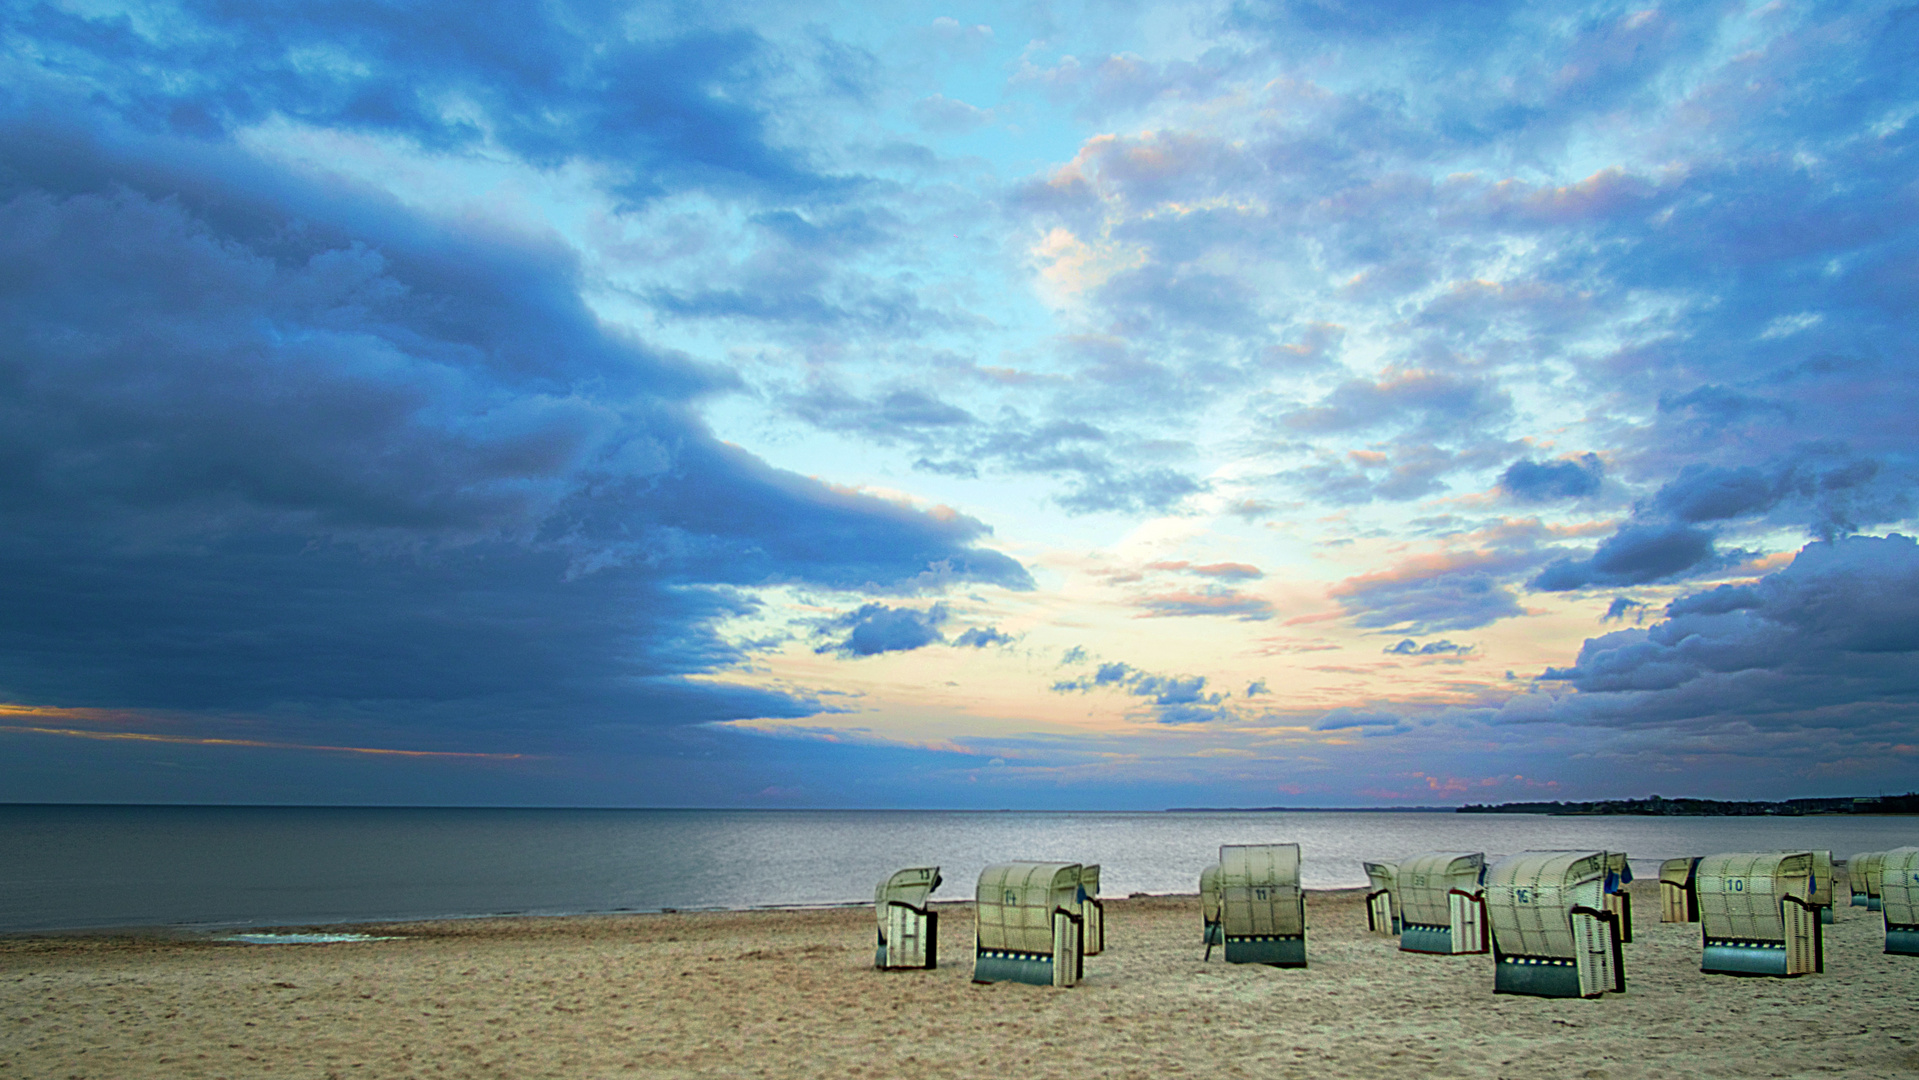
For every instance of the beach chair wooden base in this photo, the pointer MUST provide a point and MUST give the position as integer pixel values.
(1414, 937)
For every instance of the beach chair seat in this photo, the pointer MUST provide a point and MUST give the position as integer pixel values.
(908, 930)
(1678, 902)
(1862, 873)
(1209, 909)
(1092, 910)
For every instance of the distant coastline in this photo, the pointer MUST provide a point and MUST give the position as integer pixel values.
(1656, 806)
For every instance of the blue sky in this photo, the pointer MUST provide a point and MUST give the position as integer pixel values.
(1034, 405)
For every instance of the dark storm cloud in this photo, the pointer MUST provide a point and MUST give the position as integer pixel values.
(1829, 642)
(1569, 478)
(265, 443)
(549, 83)
(876, 628)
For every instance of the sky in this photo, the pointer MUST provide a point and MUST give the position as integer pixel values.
(1045, 405)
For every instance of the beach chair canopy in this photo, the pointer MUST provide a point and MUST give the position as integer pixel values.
(1741, 893)
(1425, 884)
(1016, 901)
(1209, 894)
(910, 887)
(1530, 897)
(1618, 871)
(1259, 890)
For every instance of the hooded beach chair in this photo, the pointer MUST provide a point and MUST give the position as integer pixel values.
(1441, 902)
(1862, 873)
(1030, 926)
(1209, 908)
(1553, 935)
(1899, 899)
(1618, 900)
(1677, 900)
(1092, 910)
(1823, 885)
(909, 932)
(1757, 916)
(1382, 911)
(1262, 909)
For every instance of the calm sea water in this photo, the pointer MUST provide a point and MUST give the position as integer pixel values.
(71, 867)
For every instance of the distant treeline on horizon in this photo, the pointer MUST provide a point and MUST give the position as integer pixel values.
(1657, 806)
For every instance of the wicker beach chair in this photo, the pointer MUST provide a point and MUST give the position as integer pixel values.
(1382, 910)
(1757, 915)
(908, 930)
(1030, 924)
(1899, 899)
(1442, 902)
(1262, 909)
(1553, 935)
(1677, 900)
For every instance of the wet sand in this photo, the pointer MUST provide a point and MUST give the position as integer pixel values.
(793, 994)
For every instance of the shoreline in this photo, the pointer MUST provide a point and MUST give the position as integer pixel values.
(792, 993)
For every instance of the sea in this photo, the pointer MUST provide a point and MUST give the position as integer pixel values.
(223, 868)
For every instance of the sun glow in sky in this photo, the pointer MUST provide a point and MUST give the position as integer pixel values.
(1035, 405)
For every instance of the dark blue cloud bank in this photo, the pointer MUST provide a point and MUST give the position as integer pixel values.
(1820, 659)
(274, 447)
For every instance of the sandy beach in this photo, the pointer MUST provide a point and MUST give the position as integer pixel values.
(793, 994)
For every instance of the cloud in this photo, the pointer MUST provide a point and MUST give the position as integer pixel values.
(1442, 647)
(1635, 555)
(278, 444)
(1568, 478)
(979, 637)
(1430, 595)
(1369, 723)
(691, 106)
(1177, 699)
(1829, 642)
(948, 116)
(872, 629)
(1623, 606)
(1213, 600)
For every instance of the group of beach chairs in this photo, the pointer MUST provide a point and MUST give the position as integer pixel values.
(1555, 922)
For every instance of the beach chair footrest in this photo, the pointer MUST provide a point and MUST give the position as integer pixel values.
(1902, 940)
(1744, 958)
(1419, 938)
(1536, 976)
(1280, 950)
(998, 965)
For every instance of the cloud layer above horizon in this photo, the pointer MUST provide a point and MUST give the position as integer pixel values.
(958, 406)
